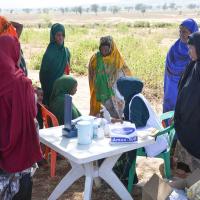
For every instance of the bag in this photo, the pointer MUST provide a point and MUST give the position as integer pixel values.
(160, 145)
(156, 189)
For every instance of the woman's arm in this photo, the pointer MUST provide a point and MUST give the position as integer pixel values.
(138, 112)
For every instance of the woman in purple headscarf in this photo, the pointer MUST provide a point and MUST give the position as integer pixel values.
(176, 61)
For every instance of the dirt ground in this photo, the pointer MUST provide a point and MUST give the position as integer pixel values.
(44, 184)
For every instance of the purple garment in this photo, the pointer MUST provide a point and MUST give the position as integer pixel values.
(176, 61)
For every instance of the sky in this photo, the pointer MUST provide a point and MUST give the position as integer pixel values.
(51, 3)
(14, 4)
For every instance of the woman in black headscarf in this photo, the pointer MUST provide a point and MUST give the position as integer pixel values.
(187, 115)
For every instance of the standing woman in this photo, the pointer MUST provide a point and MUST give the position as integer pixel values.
(187, 116)
(105, 67)
(19, 142)
(176, 61)
(55, 62)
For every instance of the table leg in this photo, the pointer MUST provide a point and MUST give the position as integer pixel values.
(89, 174)
(75, 173)
(106, 173)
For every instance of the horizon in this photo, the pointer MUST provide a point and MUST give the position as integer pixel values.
(21, 4)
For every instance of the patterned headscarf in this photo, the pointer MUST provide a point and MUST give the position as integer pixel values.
(6, 28)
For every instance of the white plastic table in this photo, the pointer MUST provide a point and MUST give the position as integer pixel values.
(83, 157)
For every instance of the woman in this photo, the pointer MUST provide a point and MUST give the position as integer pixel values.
(187, 117)
(63, 85)
(105, 67)
(137, 110)
(19, 142)
(55, 61)
(176, 61)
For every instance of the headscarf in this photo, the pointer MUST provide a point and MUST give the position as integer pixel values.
(63, 85)
(177, 57)
(128, 87)
(54, 61)
(19, 142)
(6, 28)
(194, 40)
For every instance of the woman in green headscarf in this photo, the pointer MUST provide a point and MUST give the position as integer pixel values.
(55, 62)
(63, 85)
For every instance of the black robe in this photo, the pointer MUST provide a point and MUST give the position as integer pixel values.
(187, 110)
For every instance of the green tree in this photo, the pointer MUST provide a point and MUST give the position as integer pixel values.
(104, 8)
(79, 10)
(27, 10)
(191, 6)
(115, 9)
(62, 10)
(94, 8)
(172, 6)
(164, 7)
(66, 9)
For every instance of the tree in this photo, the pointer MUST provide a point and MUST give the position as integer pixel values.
(45, 10)
(143, 10)
(164, 7)
(27, 10)
(94, 8)
(142, 7)
(128, 8)
(79, 10)
(66, 9)
(75, 9)
(139, 6)
(172, 6)
(115, 9)
(62, 10)
(104, 8)
(0, 10)
(87, 10)
(191, 6)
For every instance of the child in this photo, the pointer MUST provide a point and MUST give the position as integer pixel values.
(64, 85)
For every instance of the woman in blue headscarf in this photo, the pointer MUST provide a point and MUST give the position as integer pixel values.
(176, 61)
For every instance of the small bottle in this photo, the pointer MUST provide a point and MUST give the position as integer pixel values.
(100, 130)
(106, 115)
(107, 133)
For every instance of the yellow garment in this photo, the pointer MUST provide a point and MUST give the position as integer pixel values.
(6, 28)
(113, 64)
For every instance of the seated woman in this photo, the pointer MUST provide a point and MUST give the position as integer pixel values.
(137, 108)
(187, 116)
(138, 111)
(64, 85)
(105, 67)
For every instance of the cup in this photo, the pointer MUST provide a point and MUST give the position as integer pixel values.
(85, 130)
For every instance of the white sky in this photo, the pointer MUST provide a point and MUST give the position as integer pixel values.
(50, 3)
